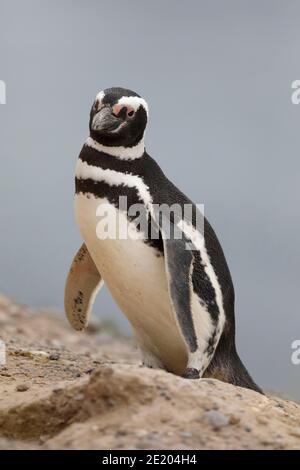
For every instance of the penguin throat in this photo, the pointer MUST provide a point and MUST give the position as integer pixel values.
(123, 153)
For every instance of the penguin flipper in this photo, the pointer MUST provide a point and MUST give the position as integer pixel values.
(178, 264)
(198, 331)
(82, 284)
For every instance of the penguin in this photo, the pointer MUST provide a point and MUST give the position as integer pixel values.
(176, 291)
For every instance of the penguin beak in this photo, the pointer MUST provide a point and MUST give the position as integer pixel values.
(105, 120)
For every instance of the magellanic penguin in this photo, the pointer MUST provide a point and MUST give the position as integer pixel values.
(176, 291)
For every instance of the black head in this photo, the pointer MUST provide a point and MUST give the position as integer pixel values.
(118, 118)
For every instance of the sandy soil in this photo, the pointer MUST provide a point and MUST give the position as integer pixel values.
(62, 390)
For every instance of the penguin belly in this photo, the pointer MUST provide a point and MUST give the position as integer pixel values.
(135, 274)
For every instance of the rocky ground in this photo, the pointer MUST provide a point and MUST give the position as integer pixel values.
(66, 390)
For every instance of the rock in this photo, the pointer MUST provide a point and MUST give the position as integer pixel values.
(234, 419)
(215, 418)
(36, 354)
(54, 357)
(39, 354)
(186, 434)
(22, 387)
(5, 374)
(67, 405)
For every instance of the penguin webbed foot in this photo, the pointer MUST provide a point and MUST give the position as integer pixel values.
(191, 373)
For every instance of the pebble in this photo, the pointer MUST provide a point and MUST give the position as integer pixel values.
(54, 357)
(234, 419)
(22, 387)
(40, 354)
(215, 418)
(186, 434)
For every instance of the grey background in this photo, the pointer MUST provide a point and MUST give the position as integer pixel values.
(217, 76)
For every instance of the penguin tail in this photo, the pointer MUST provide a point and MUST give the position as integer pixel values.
(228, 367)
(240, 376)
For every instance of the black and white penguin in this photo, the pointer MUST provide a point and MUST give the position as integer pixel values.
(176, 291)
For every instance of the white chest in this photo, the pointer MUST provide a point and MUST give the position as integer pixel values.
(135, 274)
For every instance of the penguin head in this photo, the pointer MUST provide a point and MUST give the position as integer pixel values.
(118, 118)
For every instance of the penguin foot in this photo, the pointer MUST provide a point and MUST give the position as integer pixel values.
(191, 373)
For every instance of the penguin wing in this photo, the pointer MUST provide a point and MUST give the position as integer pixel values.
(179, 259)
(82, 284)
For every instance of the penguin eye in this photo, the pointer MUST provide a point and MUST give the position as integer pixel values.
(130, 112)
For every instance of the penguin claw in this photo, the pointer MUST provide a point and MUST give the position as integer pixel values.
(191, 373)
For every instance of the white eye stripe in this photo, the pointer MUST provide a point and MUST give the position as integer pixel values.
(100, 96)
(134, 101)
(99, 99)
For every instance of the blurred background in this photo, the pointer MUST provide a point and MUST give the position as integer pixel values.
(217, 76)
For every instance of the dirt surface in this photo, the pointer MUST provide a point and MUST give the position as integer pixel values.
(66, 390)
